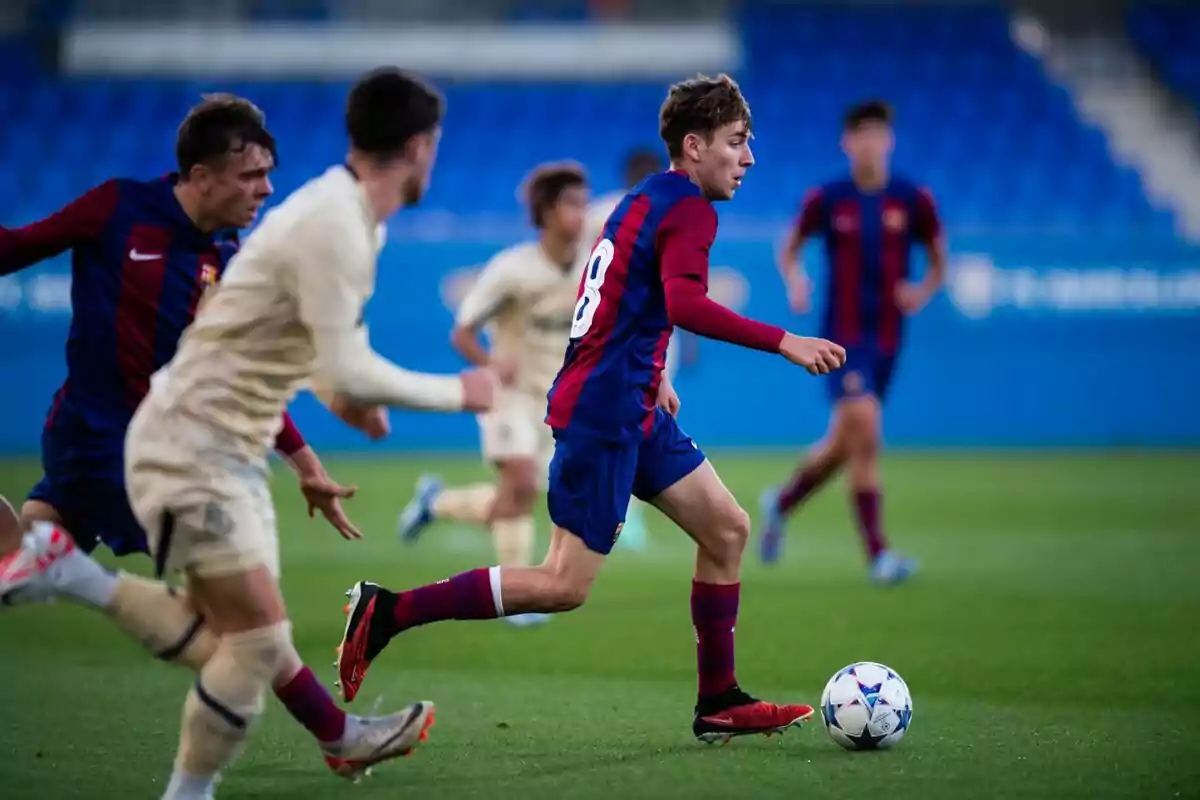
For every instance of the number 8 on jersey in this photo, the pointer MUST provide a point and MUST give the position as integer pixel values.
(589, 300)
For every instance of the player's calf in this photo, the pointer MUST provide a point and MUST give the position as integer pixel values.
(223, 704)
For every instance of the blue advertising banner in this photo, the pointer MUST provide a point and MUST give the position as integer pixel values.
(1039, 340)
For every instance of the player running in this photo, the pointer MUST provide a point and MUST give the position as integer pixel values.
(869, 222)
(142, 255)
(525, 296)
(144, 252)
(614, 434)
(288, 313)
(639, 165)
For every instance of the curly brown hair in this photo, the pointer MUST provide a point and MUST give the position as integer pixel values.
(546, 184)
(700, 105)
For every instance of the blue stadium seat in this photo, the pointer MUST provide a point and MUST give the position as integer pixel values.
(977, 121)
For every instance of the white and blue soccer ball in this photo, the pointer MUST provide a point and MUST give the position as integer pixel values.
(866, 706)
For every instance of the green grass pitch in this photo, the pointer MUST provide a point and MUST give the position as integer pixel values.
(1051, 642)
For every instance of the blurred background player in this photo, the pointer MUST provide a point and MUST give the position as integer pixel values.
(869, 222)
(525, 297)
(289, 313)
(615, 434)
(142, 255)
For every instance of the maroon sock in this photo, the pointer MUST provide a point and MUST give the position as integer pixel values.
(306, 700)
(467, 595)
(866, 505)
(714, 615)
(803, 482)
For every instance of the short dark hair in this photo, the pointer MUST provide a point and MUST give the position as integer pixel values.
(641, 164)
(387, 108)
(222, 124)
(700, 105)
(545, 186)
(865, 113)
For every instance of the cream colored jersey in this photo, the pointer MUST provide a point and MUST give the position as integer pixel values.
(250, 350)
(287, 314)
(526, 301)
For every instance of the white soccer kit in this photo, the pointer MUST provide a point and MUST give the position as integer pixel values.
(526, 301)
(286, 315)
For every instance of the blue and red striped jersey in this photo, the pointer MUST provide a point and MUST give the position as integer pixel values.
(868, 239)
(647, 273)
(138, 269)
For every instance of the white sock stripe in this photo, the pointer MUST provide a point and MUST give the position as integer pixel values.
(497, 597)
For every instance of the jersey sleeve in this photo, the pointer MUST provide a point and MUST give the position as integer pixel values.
(684, 239)
(927, 225)
(812, 214)
(80, 221)
(495, 285)
(289, 440)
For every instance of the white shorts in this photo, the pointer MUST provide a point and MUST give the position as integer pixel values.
(206, 509)
(516, 428)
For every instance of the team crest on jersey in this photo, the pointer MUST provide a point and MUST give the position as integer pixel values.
(208, 275)
(895, 220)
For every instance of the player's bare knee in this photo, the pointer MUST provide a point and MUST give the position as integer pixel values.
(730, 533)
(518, 490)
(243, 601)
(563, 589)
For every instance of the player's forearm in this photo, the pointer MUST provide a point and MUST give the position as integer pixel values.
(466, 342)
(690, 309)
(346, 365)
(305, 461)
(787, 260)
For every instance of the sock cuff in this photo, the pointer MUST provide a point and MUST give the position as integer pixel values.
(717, 589)
(497, 595)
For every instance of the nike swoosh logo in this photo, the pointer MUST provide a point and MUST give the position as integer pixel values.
(134, 255)
(720, 720)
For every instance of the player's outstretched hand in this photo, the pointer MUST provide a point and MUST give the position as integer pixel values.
(799, 294)
(479, 389)
(912, 297)
(324, 494)
(370, 419)
(818, 356)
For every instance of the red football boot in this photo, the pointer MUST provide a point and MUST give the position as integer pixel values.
(735, 713)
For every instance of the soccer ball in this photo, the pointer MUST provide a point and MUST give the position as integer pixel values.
(866, 706)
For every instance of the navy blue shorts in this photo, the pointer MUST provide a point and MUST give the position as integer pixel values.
(867, 372)
(592, 480)
(88, 492)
